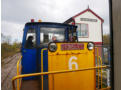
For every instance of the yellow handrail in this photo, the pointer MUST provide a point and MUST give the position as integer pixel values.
(18, 73)
(107, 88)
(99, 58)
(42, 64)
(53, 72)
(36, 74)
(101, 69)
(98, 65)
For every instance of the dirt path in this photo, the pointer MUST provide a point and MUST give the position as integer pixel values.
(8, 71)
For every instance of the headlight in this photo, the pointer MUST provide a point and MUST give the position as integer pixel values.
(52, 47)
(90, 46)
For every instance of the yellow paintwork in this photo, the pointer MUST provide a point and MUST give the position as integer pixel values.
(59, 60)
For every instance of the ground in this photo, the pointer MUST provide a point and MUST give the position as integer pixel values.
(9, 71)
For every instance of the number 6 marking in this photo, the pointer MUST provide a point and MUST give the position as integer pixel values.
(71, 63)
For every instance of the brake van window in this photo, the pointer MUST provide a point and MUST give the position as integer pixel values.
(30, 38)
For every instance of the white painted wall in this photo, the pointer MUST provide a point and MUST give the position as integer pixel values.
(95, 33)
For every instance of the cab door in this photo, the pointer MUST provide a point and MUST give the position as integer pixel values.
(29, 54)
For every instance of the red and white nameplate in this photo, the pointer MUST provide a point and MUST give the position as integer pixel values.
(72, 46)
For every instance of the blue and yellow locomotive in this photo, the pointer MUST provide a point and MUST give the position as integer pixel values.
(53, 59)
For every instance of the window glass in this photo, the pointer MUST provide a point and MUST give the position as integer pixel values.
(78, 29)
(51, 34)
(82, 30)
(30, 38)
(72, 35)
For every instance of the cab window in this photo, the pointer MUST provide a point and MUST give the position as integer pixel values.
(30, 38)
(72, 35)
(51, 34)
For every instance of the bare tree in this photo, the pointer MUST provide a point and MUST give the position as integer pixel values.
(5, 39)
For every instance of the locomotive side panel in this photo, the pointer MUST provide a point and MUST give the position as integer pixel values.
(68, 60)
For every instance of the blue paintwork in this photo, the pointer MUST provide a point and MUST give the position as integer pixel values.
(31, 61)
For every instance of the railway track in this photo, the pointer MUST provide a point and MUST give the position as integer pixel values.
(8, 71)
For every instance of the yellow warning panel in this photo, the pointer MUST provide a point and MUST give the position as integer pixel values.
(71, 57)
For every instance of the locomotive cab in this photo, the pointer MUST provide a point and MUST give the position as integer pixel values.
(38, 36)
(53, 48)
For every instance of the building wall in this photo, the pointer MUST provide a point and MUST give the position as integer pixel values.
(95, 32)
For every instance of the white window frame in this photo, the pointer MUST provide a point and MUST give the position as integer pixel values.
(79, 35)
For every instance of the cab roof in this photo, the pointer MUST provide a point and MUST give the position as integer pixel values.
(49, 23)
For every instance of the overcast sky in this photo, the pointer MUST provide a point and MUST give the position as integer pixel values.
(15, 13)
